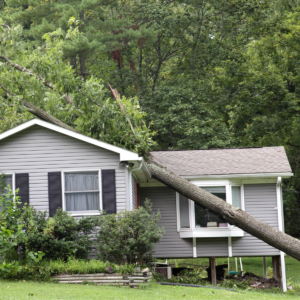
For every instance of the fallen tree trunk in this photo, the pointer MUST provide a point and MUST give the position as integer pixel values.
(233, 215)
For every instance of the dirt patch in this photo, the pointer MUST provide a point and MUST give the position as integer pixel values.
(256, 282)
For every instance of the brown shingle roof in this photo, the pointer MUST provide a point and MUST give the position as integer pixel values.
(225, 161)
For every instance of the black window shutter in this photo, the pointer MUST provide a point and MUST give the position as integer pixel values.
(109, 191)
(22, 183)
(54, 192)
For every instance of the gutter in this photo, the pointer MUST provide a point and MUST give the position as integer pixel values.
(143, 167)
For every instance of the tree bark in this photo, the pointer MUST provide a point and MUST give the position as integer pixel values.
(233, 215)
(72, 62)
(82, 67)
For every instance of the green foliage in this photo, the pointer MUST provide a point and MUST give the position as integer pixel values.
(231, 283)
(93, 112)
(11, 231)
(78, 266)
(270, 272)
(189, 122)
(43, 270)
(59, 237)
(129, 236)
(195, 276)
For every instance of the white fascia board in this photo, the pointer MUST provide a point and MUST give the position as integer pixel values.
(125, 155)
(260, 175)
(212, 232)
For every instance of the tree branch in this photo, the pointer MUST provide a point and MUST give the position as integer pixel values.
(117, 97)
(31, 73)
(38, 112)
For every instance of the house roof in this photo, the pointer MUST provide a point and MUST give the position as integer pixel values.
(125, 155)
(242, 161)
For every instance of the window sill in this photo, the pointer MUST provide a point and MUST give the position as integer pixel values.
(81, 213)
(211, 232)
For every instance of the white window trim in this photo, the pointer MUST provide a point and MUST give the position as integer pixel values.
(230, 231)
(86, 212)
(13, 187)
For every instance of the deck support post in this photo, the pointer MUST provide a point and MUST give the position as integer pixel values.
(265, 266)
(169, 272)
(212, 264)
(276, 267)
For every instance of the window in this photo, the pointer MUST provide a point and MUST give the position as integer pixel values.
(81, 191)
(193, 215)
(184, 212)
(204, 217)
(6, 181)
(236, 196)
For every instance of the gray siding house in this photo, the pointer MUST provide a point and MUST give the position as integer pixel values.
(54, 167)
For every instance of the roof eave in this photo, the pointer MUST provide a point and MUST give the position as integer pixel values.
(256, 175)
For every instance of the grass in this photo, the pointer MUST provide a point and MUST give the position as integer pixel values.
(10, 290)
(32, 290)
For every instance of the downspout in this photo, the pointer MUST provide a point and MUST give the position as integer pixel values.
(280, 227)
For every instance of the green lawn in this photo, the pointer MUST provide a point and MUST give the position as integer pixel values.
(33, 290)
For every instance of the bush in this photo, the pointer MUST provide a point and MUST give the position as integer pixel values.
(129, 236)
(11, 229)
(27, 234)
(59, 237)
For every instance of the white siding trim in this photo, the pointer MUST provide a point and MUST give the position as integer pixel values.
(215, 181)
(192, 214)
(228, 194)
(130, 190)
(283, 271)
(279, 205)
(243, 198)
(178, 212)
(212, 232)
(194, 247)
(229, 246)
(124, 154)
(281, 228)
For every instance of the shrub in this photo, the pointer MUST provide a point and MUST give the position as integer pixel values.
(129, 236)
(27, 234)
(59, 237)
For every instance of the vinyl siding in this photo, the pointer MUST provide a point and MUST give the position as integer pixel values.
(171, 245)
(207, 247)
(38, 150)
(261, 203)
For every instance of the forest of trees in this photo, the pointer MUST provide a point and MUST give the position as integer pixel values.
(191, 74)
